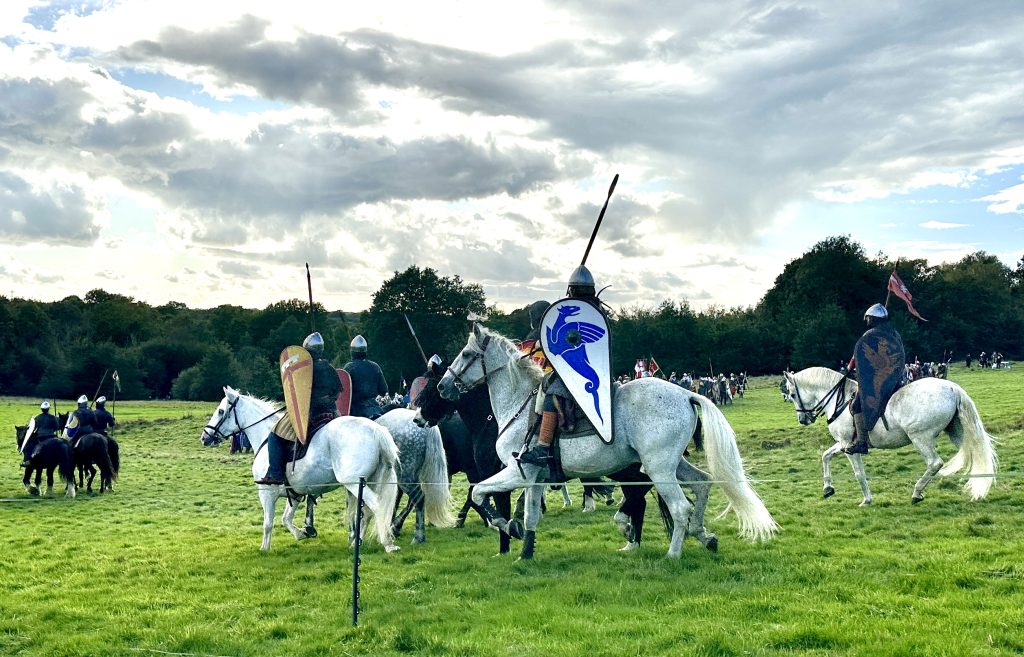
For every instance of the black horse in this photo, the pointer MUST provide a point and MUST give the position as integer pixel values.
(94, 450)
(475, 409)
(50, 454)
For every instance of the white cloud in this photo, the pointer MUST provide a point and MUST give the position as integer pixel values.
(1007, 201)
(941, 225)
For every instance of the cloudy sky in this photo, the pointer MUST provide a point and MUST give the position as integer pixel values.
(202, 152)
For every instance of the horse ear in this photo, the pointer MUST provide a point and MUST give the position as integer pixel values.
(230, 393)
(478, 330)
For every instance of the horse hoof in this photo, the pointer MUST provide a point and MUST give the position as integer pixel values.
(419, 540)
(630, 547)
(460, 523)
(516, 530)
(829, 492)
(609, 501)
(712, 544)
(916, 499)
(33, 491)
(310, 532)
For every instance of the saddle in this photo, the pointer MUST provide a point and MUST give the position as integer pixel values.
(284, 429)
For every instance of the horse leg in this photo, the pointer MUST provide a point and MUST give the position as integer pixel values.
(826, 469)
(588, 498)
(373, 503)
(534, 494)
(420, 535)
(503, 503)
(288, 516)
(679, 507)
(857, 463)
(49, 481)
(92, 475)
(699, 482)
(933, 463)
(460, 518)
(630, 516)
(506, 480)
(310, 529)
(415, 497)
(29, 488)
(268, 500)
(566, 500)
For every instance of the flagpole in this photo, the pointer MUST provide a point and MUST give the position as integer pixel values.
(888, 287)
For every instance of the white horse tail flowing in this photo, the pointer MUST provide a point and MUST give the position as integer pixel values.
(726, 465)
(976, 452)
(384, 482)
(433, 477)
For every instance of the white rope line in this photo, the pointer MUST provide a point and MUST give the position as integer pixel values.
(177, 654)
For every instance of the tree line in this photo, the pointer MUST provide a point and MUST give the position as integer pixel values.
(812, 315)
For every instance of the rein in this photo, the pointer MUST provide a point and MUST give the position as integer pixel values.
(220, 436)
(838, 391)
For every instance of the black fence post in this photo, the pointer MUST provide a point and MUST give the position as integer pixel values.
(355, 556)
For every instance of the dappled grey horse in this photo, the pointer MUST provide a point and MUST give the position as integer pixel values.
(422, 472)
(917, 413)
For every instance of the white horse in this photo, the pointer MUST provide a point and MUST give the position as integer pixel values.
(652, 422)
(341, 452)
(916, 414)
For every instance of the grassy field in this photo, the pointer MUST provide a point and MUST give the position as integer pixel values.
(169, 563)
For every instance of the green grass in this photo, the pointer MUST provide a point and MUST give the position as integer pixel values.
(169, 562)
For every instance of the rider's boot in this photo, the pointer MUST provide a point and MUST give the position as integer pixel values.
(277, 453)
(860, 436)
(540, 453)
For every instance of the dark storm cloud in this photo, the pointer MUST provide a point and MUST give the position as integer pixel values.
(60, 215)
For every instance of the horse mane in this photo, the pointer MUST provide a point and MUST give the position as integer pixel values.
(518, 367)
(272, 403)
(823, 377)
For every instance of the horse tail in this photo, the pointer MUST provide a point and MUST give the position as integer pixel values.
(384, 482)
(726, 466)
(102, 457)
(976, 452)
(66, 464)
(114, 451)
(433, 477)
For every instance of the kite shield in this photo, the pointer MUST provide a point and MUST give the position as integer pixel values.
(344, 403)
(297, 382)
(575, 339)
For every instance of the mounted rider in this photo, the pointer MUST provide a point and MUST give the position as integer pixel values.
(564, 344)
(104, 420)
(367, 381)
(323, 398)
(81, 422)
(42, 427)
(879, 360)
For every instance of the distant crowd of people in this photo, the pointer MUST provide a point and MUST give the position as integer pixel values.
(993, 360)
(721, 389)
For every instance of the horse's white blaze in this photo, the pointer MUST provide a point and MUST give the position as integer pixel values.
(916, 414)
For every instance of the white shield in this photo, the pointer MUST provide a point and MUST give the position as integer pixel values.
(575, 339)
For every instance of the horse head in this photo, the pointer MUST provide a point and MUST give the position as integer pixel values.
(19, 432)
(433, 408)
(469, 368)
(223, 421)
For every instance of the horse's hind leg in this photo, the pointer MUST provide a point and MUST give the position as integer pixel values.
(531, 518)
(857, 463)
(460, 518)
(29, 488)
(933, 463)
(92, 475)
(420, 536)
(287, 519)
(49, 481)
(699, 482)
(310, 529)
(679, 507)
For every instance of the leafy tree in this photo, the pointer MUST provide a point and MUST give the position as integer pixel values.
(437, 307)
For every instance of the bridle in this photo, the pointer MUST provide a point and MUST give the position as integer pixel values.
(219, 436)
(478, 354)
(838, 391)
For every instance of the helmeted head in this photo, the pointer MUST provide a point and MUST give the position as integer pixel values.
(100, 401)
(358, 347)
(581, 283)
(45, 407)
(314, 344)
(875, 315)
(536, 312)
(83, 401)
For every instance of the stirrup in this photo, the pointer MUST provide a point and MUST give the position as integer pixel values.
(531, 457)
(270, 481)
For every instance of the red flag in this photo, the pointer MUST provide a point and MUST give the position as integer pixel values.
(653, 366)
(897, 287)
